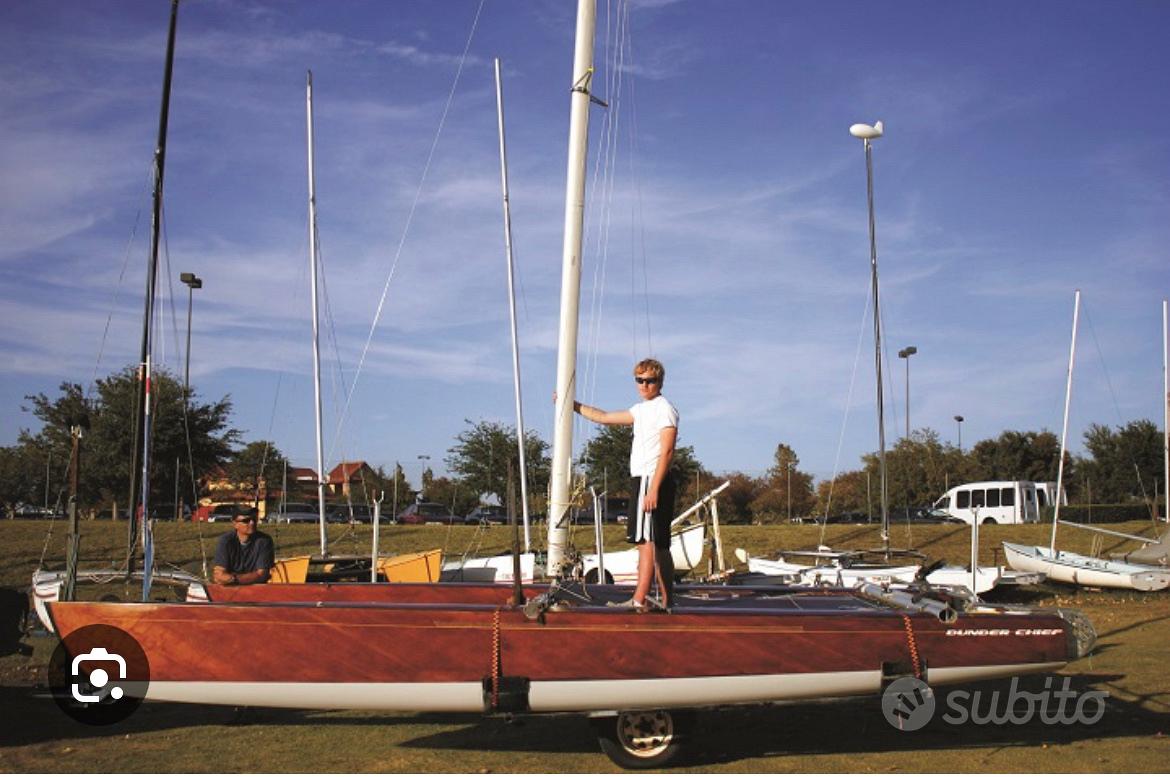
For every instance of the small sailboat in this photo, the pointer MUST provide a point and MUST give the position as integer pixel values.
(1075, 568)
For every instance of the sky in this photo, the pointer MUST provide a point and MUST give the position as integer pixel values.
(1025, 156)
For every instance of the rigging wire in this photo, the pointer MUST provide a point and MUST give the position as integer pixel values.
(845, 419)
(409, 220)
(1113, 397)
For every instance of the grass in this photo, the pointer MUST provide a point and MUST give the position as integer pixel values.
(1130, 664)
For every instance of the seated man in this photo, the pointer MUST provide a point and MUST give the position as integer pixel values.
(244, 555)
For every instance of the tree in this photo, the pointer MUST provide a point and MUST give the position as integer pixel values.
(848, 492)
(481, 459)
(257, 463)
(1123, 465)
(108, 446)
(736, 501)
(456, 496)
(1017, 456)
(785, 489)
(918, 470)
(606, 460)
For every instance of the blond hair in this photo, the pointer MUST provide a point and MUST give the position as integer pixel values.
(652, 366)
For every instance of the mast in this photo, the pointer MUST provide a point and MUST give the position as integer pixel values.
(570, 286)
(1165, 411)
(512, 309)
(140, 463)
(1072, 357)
(868, 134)
(316, 337)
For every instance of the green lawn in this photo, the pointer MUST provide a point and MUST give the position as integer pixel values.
(1130, 664)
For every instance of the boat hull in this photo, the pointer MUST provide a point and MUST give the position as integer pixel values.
(1076, 569)
(409, 656)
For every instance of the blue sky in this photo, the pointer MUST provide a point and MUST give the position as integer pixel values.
(1025, 156)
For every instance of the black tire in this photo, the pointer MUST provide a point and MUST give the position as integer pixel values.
(643, 739)
(591, 577)
(989, 522)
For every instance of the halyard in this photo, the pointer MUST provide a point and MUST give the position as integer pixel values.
(1130, 664)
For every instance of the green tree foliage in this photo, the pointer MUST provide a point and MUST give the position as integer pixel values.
(453, 494)
(481, 459)
(22, 476)
(1118, 459)
(785, 489)
(735, 503)
(1017, 456)
(108, 445)
(606, 460)
(850, 492)
(257, 462)
(918, 470)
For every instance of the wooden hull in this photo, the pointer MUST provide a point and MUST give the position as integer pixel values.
(1076, 569)
(411, 656)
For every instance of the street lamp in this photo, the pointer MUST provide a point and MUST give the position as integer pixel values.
(193, 282)
(959, 421)
(906, 353)
(867, 134)
(422, 471)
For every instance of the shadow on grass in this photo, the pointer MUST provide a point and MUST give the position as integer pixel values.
(848, 727)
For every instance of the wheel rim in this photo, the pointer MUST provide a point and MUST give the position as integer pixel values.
(645, 734)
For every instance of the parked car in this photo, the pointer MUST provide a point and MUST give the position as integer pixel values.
(487, 514)
(358, 513)
(223, 513)
(428, 512)
(297, 512)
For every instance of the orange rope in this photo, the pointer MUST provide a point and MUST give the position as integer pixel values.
(913, 645)
(496, 660)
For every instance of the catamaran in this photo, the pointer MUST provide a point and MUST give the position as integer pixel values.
(558, 648)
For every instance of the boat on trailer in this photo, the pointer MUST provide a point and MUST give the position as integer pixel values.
(561, 647)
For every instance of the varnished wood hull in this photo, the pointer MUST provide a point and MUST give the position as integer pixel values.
(413, 656)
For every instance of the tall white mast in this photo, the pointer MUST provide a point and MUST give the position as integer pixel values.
(1072, 359)
(1165, 412)
(316, 343)
(512, 309)
(570, 287)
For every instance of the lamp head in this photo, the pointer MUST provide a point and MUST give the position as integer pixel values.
(867, 132)
(959, 418)
(192, 280)
(907, 352)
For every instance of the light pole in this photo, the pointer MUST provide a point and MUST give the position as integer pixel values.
(906, 353)
(422, 471)
(193, 282)
(959, 421)
(867, 134)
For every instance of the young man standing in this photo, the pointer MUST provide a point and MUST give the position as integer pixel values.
(655, 423)
(244, 555)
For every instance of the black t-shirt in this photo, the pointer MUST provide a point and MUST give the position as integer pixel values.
(238, 558)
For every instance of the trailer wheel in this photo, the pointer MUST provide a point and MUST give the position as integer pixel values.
(591, 577)
(643, 739)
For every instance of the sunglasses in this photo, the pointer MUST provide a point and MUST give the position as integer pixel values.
(645, 381)
(244, 520)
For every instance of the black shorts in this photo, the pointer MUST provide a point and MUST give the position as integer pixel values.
(658, 526)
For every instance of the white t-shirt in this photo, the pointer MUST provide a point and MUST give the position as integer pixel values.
(650, 418)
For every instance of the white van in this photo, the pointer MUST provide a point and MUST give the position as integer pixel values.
(1046, 494)
(995, 501)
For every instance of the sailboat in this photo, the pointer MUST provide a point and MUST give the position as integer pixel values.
(50, 585)
(558, 648)
(419, 567)
(1075, 568)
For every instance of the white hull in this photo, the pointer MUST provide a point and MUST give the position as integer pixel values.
(492, 569)
(686, 548)
(566, 695)
(1076, 569)
(46, 586)
(986, 578)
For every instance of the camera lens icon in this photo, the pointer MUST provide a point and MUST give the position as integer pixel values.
(99, 675)
(98, 678)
